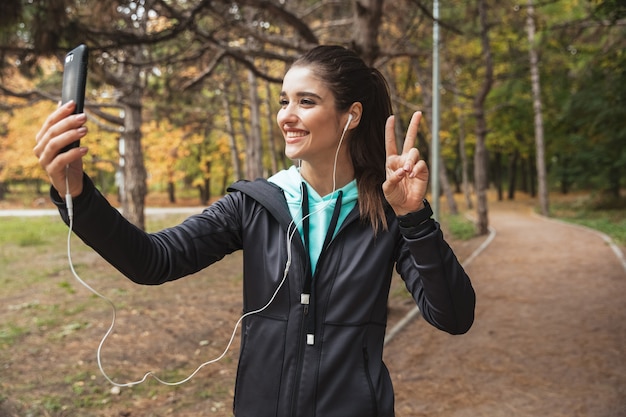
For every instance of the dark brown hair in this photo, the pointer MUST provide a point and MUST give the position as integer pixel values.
(351, 80)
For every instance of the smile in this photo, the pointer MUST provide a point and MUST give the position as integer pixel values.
(298, 134)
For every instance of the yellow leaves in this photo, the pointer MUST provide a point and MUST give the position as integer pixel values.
(167, 147)
(223, 145)
(17, 160)
(158, 24)
(161, 142)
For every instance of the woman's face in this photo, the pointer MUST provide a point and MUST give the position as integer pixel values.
(307, 117)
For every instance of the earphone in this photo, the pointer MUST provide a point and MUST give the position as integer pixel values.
(350, 117)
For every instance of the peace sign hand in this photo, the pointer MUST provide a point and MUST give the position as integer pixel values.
(407, 173)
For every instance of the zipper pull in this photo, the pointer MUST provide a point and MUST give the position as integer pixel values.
(304, 300)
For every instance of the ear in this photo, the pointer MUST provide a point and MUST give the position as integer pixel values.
(354, 115)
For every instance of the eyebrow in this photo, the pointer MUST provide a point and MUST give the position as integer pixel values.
(303, 94)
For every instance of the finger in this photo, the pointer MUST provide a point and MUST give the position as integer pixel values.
(62, 125)
(419, 171)
(391, 149)
(60, 113)
(393, 179)
(61, 161)
(411, 158)
(411, 133)
(48, 150)
(57, 143)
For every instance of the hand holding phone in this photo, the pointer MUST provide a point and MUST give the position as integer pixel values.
(74, 82)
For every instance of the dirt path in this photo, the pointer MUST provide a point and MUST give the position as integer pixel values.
(549, 337)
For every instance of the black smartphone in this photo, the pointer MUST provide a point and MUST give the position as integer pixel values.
(75, 81)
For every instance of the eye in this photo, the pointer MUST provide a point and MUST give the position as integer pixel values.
(283, 102)
(305, 101)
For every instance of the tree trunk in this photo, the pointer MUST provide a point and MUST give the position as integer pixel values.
(542, 180)
(271, 123)
(203, 192)
(242, 121)
(497, 174)
(464, 164)
(135, 189)
(171, 192)
(366, 28)
(134, 171)
(524, 167)
(480, 155)
(445, 187)
(254, 150)
(234, 149)
(532, 171)
(615, 181)
(513, 174)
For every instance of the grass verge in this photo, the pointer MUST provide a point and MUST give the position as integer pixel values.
(605, 215)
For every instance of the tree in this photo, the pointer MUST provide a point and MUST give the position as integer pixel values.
(537, 109)
(480, 155)
(204, 64)
(254, 150)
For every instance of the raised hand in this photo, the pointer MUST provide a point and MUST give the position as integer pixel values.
(407, 174)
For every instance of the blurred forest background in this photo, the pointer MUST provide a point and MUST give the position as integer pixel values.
(182, 95)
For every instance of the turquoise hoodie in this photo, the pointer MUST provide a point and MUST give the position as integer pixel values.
(320, 208)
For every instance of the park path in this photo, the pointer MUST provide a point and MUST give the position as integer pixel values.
(549, 337)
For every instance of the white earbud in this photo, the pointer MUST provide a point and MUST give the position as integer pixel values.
(350, 117)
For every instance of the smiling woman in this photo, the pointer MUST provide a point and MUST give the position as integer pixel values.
(320, 242)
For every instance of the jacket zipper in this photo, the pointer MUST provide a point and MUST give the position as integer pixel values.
(307, 297)
(301, 347)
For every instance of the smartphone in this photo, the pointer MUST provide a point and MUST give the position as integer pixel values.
(75, 81)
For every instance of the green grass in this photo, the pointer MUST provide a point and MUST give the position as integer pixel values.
(42, 306)
(459, 226)
(31, 231)
(617, 231)
(607, 216)
(11, 334)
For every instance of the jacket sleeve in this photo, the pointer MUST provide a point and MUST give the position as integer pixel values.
(436, 279)
(153, 258)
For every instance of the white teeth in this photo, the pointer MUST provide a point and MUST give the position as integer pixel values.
(295, 134)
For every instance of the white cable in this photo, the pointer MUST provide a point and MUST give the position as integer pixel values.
(290, 235)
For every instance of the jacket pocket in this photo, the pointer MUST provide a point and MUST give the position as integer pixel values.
(368, 376)
(260, 368)
(346, 386)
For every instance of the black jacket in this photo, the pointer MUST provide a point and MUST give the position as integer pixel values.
(279, 375)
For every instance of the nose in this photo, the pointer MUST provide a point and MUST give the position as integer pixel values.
(286, 115)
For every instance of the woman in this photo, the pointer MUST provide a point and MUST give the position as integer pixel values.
(320, 242)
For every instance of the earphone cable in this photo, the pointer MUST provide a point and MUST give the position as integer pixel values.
(290, 234)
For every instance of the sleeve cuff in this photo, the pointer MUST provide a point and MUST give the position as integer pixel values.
(59, 201)
(417, 223)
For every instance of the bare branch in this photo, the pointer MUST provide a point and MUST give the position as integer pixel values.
(443, 24)
(115, 120)
(206, 72)
(289, 18)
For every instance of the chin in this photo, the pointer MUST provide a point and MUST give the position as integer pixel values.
(292, 153)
